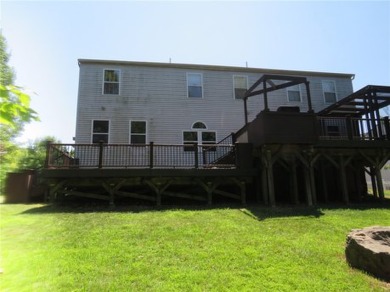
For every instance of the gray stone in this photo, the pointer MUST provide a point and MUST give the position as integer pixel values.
(368, 249)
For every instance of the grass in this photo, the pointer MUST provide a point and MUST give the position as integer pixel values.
(49, 248)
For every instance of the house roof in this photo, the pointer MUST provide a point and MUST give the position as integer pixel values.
(216, 68)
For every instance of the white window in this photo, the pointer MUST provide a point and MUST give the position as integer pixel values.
(294, 93)
(111, 82)
(137, 132)
(240, 85)
(100, 131)
(329, 89)
(199, 135)
(194, 85)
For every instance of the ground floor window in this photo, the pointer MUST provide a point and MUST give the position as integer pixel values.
(198, 135)
(137, 132)
(100, 131)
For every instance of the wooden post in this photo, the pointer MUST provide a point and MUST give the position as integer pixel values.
(209, 193)
(377, 116)
(270, 179)
(309, 178)
(100, 154)
(294, 182)
(264, 185)
(196, 155)
(379, 183)
(310, 107)
(343, 180)
(324, 185)
(151, 154)
(312, 184)
(387, 127)
(373, 182)
(48, 154)
(309, 196)
(349, 128)
(246, 110)
(265, 96)
(233, 137)
(243, 192)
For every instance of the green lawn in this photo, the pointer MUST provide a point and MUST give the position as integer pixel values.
(46, 248)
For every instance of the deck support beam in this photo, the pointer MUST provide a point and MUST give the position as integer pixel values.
(158, 189)
(379, 183)
(264, 185)
(294, 182)
(270, 178)
(324, 184)
(343, 179)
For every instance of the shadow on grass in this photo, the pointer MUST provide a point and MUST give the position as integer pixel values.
(255, 211)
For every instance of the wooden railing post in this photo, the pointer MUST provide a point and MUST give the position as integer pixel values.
(151, 154)
(101, 154)
(48, 153)
(349, 128)
(233, 138)
(387, 127)
(196, 155)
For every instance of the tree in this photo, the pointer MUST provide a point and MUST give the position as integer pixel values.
(34, 156)
(15, 112)
(15, 108)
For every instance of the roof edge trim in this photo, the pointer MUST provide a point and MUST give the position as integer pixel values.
(214, 68)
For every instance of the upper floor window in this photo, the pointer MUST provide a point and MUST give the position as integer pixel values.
(194, 85)
(240, 84)
(329, 89)
(111, 82)
(100, 131)
(137, 132)
(294, 93)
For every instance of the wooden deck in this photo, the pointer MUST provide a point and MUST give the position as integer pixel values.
(325, 162)
(111, 172)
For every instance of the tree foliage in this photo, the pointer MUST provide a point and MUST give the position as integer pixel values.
(33, 157)
(15, 112)
(15, 108)
(7, 75)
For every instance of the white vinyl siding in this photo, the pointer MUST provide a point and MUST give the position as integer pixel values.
(329, 90)
(159, 96)
(195, 85)
(240, 86)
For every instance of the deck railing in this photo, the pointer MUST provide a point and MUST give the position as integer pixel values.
(150, 155)
(346, 128)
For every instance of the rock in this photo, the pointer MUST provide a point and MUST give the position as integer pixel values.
(368, 249)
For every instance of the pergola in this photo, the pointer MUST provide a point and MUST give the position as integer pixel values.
(364, 103)
(268, 85)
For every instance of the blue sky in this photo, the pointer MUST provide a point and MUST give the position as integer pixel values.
(46, 38)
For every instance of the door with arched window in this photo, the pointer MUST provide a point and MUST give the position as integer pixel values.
(199, 134)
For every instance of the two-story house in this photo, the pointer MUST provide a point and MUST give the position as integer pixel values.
(140, 102)
(150, 131)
